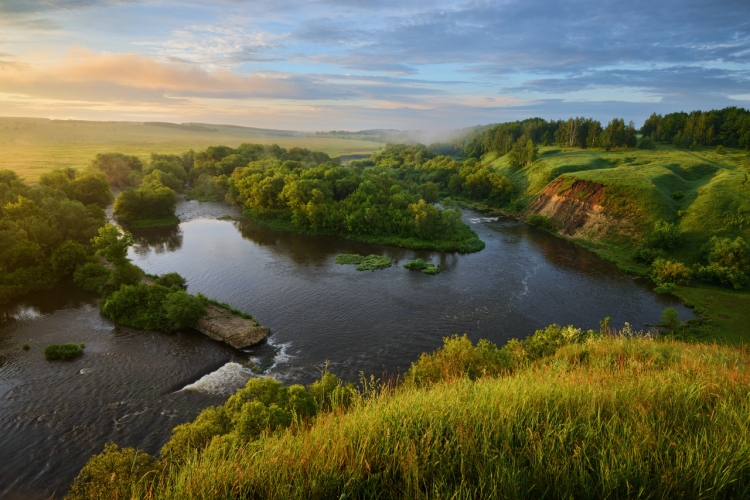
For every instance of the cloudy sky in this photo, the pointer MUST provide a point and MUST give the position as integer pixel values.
(358, 64)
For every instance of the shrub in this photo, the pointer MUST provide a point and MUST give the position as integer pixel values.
(63, 351)
(171, 279)
(720, 150)
(678, 195)
(666, 271)
(727, 276)
(471, 245)
(727, 253)
(26, 347)
(542, 222)
(111, 473)
(670, 319)
(665, 236)
(647, 255)
(154, 307)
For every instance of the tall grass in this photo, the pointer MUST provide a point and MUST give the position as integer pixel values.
(601, 418)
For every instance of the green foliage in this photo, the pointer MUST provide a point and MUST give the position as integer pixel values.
(263, 405)
(67, 257)
(111, 474)
(728, 262)
(150, 201)
(42, 233)
(91, 277)
(171, 279)
(153, 307)
(670, 319)
(63, 351)
(666, 271)
(26, 347)
(112, 243)
(422, 265)
(542, 222)
(349, 258)
(374, 262)
(306, 191)
(665, 236)
(646, 143)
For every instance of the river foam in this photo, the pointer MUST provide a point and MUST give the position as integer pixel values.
(224, 381)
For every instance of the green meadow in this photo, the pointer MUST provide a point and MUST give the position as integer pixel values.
(33, 146)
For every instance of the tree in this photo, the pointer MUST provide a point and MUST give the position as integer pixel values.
(112, 243)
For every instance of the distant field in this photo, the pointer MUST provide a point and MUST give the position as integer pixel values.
(31, 147)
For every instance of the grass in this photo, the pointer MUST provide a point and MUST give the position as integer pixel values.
(63, 351)
(32, 147)
(234, 311)
(601, 417)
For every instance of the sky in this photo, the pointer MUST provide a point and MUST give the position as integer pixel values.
(319, 65)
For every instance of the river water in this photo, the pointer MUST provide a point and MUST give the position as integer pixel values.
(131, 386)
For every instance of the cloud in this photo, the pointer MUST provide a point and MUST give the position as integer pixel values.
(84, 67)
(31, 6)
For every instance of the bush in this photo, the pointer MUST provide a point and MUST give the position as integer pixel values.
(725, 252)
(110, 474)
(666, 271)
(678, 195)
(665, 236)
(471, 245)
(154, 307)
(721, 275)
(26, 347)
(647, 255)
(171, 279)
(542, 222)
(63, 351)
(720, 150)
(670, 319)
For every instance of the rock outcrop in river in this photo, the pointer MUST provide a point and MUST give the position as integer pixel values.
(239, 332)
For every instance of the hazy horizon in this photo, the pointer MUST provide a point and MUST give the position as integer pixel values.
(334, 65)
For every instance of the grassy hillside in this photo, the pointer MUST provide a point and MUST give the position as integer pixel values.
(32, 147)
(703, 193)
(642, 184)
(564, 414)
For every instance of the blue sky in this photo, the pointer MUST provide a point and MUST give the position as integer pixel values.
(405, 64)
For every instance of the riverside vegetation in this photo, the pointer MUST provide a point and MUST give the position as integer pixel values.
(564, 413)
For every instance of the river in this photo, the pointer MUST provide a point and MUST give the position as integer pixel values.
(132, 387)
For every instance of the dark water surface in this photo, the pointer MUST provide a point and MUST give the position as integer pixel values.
(132, 386)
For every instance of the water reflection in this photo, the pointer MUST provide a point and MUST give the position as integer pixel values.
(159, 240)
